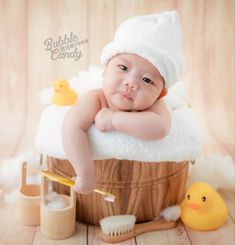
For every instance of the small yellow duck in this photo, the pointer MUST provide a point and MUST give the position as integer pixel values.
(203, 209)
(63, 94)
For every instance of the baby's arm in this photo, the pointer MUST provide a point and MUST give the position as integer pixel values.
(74, 138)
(151, 124)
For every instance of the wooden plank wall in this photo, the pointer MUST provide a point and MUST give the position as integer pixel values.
(26, 67)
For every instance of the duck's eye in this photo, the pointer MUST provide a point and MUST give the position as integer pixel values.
(203, 199)
(122, 67)
(61, 85)
(188, 197)
(147, 80)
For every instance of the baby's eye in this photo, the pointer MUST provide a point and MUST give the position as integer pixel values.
(122, 67)
(147, 80)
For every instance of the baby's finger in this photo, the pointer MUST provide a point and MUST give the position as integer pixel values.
(73, 178)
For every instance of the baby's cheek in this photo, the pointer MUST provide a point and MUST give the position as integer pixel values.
(114, 80)
(147, 100)
(152, 95)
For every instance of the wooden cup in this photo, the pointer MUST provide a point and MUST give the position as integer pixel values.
(57, 223)
(28, 201)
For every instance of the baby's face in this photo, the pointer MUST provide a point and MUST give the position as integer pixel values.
(131, 83)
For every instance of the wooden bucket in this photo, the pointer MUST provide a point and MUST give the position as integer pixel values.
(141, 189)
(57, 223)
(28, 201)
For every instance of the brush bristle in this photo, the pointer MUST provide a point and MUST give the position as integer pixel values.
(117, 225)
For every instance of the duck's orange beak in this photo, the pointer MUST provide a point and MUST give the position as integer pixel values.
(194, 206)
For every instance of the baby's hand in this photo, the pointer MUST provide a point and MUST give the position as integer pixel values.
(85, 185)
(103, 120)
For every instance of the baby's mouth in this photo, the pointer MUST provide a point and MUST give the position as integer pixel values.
(126, 95)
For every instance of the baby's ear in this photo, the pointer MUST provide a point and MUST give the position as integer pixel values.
(163, 93)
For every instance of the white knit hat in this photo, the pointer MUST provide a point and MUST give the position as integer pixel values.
(155, 37)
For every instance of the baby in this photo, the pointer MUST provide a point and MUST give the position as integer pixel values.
(142, 62)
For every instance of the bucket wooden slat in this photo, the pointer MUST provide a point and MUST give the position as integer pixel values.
(142, 189)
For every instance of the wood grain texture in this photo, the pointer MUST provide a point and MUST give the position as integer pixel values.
(79, 237)
(132, 183)
(26, 67)
(228, 196)
(13, 70)
(210, 70)
(101, 26)
(50, 20)
(177, 235)
(12, 232)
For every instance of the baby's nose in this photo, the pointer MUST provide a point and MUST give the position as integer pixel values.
(131, 84)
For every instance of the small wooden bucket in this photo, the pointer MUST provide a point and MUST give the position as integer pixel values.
(57, 223)
(28, 201)
(143, 189)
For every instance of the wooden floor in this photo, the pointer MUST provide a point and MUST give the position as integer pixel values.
(13, 233)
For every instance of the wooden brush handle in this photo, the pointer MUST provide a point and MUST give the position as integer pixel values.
(139, 229)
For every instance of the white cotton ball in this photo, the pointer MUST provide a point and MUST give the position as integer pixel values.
(87, 80)
(51, 196)
(32, 157)
(11, 197)
(215, 169)
(171, 213)
(55, 201)
(57, 204)
(10, 169)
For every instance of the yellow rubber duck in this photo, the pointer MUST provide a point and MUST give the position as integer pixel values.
(63, 94)
(203, 209)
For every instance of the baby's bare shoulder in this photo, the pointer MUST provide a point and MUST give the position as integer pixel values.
(90, 101)
(96, 94)
(92, 94)
(83, 114)
(159, 107)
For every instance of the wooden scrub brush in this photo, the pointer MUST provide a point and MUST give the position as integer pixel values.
(122, 227)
